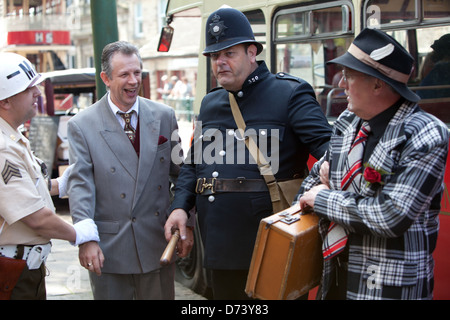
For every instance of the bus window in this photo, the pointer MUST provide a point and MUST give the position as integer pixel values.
(291, 25)
(305, 38)
(393, 13)
(331, 20)
(433, 82)
(383, 13)
(436, 10)
(422, 28)
(258, 23)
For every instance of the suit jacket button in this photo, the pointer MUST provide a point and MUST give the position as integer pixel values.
(123, 195)
(162, 159)
(133, 219)
(157, 213)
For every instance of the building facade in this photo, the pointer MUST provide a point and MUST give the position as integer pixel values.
(57, 34)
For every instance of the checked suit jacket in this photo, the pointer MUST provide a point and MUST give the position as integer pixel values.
(392, 225)
(126, 196)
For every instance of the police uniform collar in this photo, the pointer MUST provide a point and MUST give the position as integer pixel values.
(256, 76)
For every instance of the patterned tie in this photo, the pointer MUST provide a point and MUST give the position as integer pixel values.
(128, 128)
(337, 236)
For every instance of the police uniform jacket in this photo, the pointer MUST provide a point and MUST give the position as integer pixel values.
(273, 106)
(393, 223)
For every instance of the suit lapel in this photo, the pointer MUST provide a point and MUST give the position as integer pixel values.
(149, 133)
(387, 151)
(343, 140)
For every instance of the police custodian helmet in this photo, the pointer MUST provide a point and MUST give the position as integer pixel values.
(227, 27)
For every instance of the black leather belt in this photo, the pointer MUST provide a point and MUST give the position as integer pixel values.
(206, 186)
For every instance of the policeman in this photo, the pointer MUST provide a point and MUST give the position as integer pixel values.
(27, 215)
(221, 178)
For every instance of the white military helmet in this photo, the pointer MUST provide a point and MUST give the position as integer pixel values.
(16, 74)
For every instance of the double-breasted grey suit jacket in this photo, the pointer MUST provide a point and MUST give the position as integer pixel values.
(126, 196)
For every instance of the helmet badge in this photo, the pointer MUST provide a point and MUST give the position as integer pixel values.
(217, 27)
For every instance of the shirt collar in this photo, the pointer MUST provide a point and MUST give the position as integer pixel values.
(116, 109)
(379, 123)
(13, 134)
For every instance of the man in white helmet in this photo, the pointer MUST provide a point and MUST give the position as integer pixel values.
(27, 214)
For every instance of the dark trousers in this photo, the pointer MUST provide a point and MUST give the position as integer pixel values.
(338, 289)
(31, 285)
(229, 284)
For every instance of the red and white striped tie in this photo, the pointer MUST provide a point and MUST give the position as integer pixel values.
(337, 236)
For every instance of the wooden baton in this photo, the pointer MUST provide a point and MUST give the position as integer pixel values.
(168, 252)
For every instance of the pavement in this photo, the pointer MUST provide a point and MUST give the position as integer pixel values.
(68, 280)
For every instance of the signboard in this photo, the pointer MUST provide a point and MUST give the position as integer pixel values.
(43, 135)
(34, 37)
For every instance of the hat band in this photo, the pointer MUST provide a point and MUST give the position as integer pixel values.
(366, 59)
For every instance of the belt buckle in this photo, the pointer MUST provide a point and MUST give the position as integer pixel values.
(202, 185)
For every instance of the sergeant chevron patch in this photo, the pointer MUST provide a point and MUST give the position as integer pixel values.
(10, 171)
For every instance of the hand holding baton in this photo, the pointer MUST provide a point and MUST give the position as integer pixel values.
(168, 252)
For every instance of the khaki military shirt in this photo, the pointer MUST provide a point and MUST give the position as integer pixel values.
(23, 188)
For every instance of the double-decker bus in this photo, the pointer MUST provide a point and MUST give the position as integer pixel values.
(299, 37)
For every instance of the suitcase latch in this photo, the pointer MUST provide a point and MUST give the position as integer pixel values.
(288, 218)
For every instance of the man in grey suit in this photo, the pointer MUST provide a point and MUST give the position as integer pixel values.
(122, 182)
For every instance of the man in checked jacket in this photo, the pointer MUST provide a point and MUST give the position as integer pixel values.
(390, 222)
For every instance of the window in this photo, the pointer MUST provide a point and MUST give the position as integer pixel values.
(393, 13)
(417, 25)
(138, 20)
(258, 23)
(436, 9)
(305, 38)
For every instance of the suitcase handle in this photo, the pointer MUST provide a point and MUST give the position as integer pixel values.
(286, 216)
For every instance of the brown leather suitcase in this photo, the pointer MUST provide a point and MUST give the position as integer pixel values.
(287, 258)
